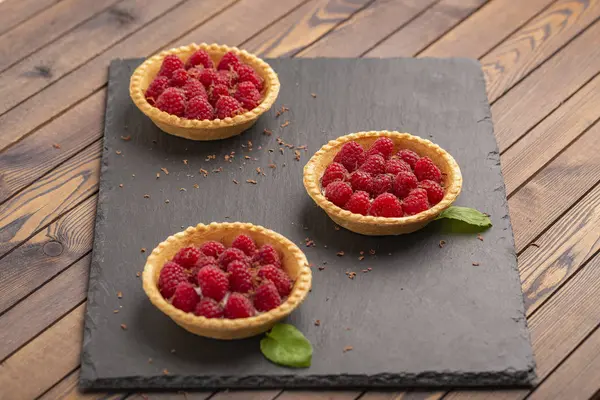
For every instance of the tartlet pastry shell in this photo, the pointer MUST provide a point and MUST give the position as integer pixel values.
(206, 129)
(293, 260)
(379, 226)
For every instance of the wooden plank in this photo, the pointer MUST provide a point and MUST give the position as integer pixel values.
(76, 47)
(49, 198)
(67, 389)
(556, 188)
(561, 251)
(14, 12)
(366, 28)
(90, 77)
(484, 29)
(46, 254)
(416, 395)
(532, 99)
(170, 396)
(302, 27)
(46, 26)
(427, 27)
(578, 377)
(551, 136)
(529, 47)
(55, 352)
(320, 395)
(43, 307)
(246, 395)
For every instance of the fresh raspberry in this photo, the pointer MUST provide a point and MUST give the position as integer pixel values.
(359, 203)
(333, 172)
(229, 62)
(209, 77)
(374, 165)
(266, 255)
(209, 308)
(170, 64)
(381, 184)
(280, 279)
(361, 180)
(199, 108)
(245, 244)
(213, 282)
(396, 165)
(228, 107)
(386, 205)
(266, 297)
(238, 306)
(232, 254)
(195, 72)
(172, 101)
(415, 202)
(179, 78)
(194, 88)
(158, 85)
(409, 156)
(200, 57)
(202, 262)
(229, 78)
(185, 297)
(188, 257)
(403, 183)
(240, 277)
(338, 193)
(382, 146)
(247, 74)
(216, 92)
(351, 156)
(435, 193)
(212, 248)
(248, 95)
(170, 276)
(425, 169)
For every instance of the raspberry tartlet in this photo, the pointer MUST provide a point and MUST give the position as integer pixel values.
(204, 92)
(227, 280)
(382, 183)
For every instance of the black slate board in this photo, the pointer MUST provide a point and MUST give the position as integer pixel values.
(424, 316)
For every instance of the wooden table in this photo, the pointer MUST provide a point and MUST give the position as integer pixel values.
(541, 59)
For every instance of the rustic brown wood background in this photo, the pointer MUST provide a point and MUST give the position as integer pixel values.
(541, 60)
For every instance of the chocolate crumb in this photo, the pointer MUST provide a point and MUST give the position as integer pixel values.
(167, 201)
(340, 253)
(351, 275)
(185, 162)
(138, 274)
(146, 196)
(120, 185)
(143, 250)
(182, 189)
(118, 152)
(268, 132)
(369, 269)
(360, 258)
(321, 268)
(120, 295)
(442, 243)
(217, 170)
(348, 348)
(124, 327)
(337, 228)
(203, 172)
(165, 371)
(196, 186)
(361, 253)
(364, 271)
(372, 252)
(476, 264)
(314, 95)
(480, 237)
(115, 311)
(252, 181)
(157, 175)
(281, 150)
(126, 138)
(166, 171)
(236, 182)
(318, 322)
(258, 170)
(297, 155)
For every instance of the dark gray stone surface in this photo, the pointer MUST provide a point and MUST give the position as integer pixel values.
(424, 316)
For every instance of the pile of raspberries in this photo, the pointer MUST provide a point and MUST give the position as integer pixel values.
(380, 183)
(214, 281)
(196, 90)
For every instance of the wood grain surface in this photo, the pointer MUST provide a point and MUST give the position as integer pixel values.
(541, 65)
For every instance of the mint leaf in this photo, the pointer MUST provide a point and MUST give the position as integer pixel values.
(286, 345)
(469, 219)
